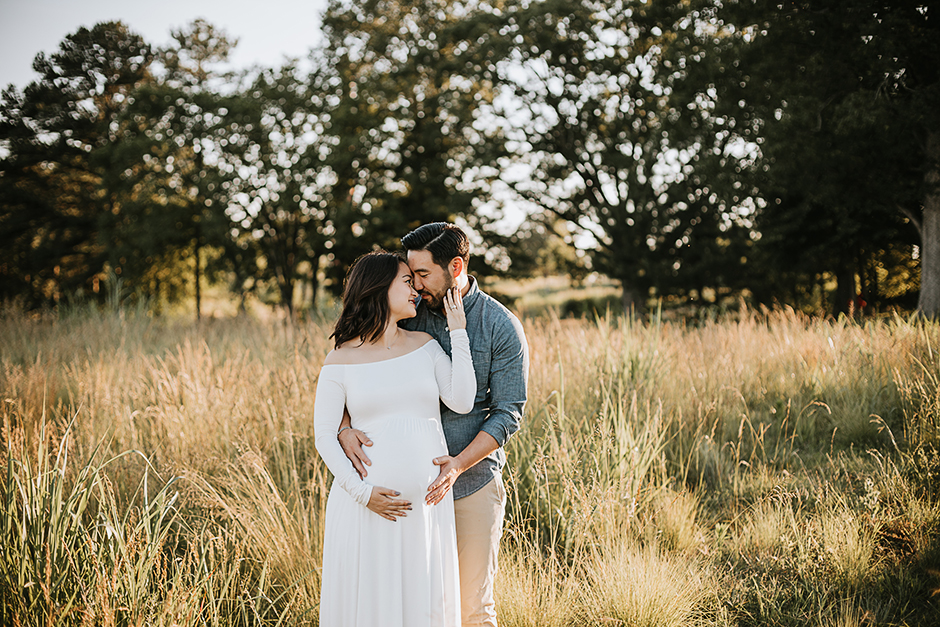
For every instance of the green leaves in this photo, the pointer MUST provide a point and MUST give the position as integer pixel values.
(618, 134)
(53, 133)
(689, 146)
(415, 83)
(838, 139)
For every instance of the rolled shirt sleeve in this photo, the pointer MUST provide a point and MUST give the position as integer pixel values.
(509, 372)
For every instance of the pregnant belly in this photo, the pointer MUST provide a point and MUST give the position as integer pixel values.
(403, 461)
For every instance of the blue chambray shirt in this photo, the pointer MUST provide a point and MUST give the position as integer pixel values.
(501, 363)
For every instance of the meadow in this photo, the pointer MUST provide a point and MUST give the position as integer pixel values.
(760, 468)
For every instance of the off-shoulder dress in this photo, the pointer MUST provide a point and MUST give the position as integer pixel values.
(379, 573)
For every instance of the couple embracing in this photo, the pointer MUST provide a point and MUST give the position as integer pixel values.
(413, 520)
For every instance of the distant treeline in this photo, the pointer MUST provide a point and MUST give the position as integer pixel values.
(784, 152)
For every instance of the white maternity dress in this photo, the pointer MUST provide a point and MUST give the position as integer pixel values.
(379, 573)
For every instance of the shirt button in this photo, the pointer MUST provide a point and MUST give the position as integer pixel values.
(447, 328)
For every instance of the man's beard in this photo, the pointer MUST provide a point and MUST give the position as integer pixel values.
(436, 300)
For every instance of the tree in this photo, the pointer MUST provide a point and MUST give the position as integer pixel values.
(53, 136)
(169, 165)
(540, 246)
(618, 138)
(906, 38)
(845, 98)
(415, 85)
(285, 203)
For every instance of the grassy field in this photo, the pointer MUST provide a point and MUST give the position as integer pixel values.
(765, 469)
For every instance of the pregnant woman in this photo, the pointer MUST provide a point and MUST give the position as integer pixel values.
(384, 563)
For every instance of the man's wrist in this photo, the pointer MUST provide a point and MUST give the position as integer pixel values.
(343, 429)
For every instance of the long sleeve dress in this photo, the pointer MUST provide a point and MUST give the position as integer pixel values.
(379, 573)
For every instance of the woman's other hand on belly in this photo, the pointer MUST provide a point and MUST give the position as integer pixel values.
(386, 504)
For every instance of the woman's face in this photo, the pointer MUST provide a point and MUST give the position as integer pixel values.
(402, 296)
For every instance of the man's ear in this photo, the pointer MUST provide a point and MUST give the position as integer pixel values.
(455, 266)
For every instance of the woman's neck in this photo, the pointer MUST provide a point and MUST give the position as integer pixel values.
(390, 337)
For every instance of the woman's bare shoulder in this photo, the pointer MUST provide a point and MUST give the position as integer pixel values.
(418, 338)
(343, 354)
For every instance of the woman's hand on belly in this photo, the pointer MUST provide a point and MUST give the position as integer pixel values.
(384, 503)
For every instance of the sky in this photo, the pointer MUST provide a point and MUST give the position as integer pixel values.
(267, 30)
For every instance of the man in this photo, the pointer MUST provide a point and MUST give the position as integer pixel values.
(438, 254)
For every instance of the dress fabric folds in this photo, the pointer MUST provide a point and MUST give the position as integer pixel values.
(379, 573)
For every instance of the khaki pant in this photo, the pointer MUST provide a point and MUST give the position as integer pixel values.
(479, 520)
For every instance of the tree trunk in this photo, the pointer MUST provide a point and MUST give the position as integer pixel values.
(287, 295)
(869, 279)
(198, 273)
(845, 290)
(929, 302)
(632, 303)
(158, 297)
(314, 288)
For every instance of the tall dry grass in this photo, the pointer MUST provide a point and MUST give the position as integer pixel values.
(765, 469)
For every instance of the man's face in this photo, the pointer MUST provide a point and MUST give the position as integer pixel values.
(431, 280)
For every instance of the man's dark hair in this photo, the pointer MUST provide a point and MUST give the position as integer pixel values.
(442, 239)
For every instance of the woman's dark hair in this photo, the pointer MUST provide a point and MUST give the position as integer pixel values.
(365, 297)
(442, 239)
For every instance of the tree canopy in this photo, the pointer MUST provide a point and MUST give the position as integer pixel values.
(779, 152)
